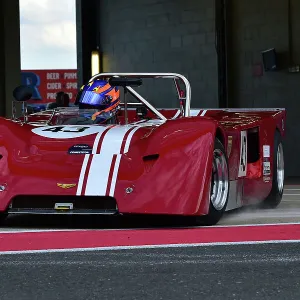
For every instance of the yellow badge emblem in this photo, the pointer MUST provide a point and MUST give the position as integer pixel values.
(66, 185)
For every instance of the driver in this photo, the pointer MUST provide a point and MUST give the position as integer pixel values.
(99, 102)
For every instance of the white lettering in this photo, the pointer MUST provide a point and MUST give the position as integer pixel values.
(51, 96)
(54, 86)
(71, 85)
(70, 75)
(53, 76)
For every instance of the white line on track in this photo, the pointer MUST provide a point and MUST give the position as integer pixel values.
(150, 247)
(292, 200)
(251, 225)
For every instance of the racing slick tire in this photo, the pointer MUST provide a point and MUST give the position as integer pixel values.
(275, 196)
(2, 218)
(219, 189)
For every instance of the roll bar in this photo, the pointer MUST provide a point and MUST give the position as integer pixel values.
(183, 97)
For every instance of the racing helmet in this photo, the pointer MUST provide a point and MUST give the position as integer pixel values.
(100, 96)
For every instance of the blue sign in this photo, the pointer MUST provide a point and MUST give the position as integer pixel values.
(33, 80)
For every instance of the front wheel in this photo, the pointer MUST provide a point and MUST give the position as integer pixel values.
(219, 186)
(2, 217)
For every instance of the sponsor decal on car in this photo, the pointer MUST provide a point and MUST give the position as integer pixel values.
(266, 150)
(80, 149)
(267, 179)
(266, 168)
(66, 185)
(243, 155)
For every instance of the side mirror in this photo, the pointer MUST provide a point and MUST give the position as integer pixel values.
(123, 81)
(22, 93)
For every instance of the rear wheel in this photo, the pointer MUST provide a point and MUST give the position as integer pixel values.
(219, 187)
(275, 196)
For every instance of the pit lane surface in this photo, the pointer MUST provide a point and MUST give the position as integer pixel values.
(251, 271)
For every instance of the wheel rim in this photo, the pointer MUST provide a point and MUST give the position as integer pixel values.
(280, 168)
(219, 182)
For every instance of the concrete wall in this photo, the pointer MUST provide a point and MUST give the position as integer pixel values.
(162, 36)
(2, 73)
(178, 36)
(258, 25)
(87, 38)
(10, 73)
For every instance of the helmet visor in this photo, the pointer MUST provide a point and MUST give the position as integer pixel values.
(92, 99)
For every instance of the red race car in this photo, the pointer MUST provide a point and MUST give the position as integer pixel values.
(188, 162)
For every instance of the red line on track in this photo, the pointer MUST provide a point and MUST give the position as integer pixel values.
(144, 237)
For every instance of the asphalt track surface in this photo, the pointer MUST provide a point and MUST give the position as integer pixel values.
(221, 272)
(230, 261)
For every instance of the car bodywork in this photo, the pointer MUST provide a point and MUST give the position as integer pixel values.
(159, 164)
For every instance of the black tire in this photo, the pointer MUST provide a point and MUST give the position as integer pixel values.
(275, 196)
(2, 218)
(216, 212)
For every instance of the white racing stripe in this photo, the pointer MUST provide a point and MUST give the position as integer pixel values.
(98, 176)
(115, 174)
(86, 159)
(177, 114)
(195, 112)
(113, 140)
(96, 143)
(82, 174)
(203, 113)
(128, 141)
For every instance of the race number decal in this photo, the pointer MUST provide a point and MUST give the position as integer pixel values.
(243, 155)
(64, 129)
(68, 131)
